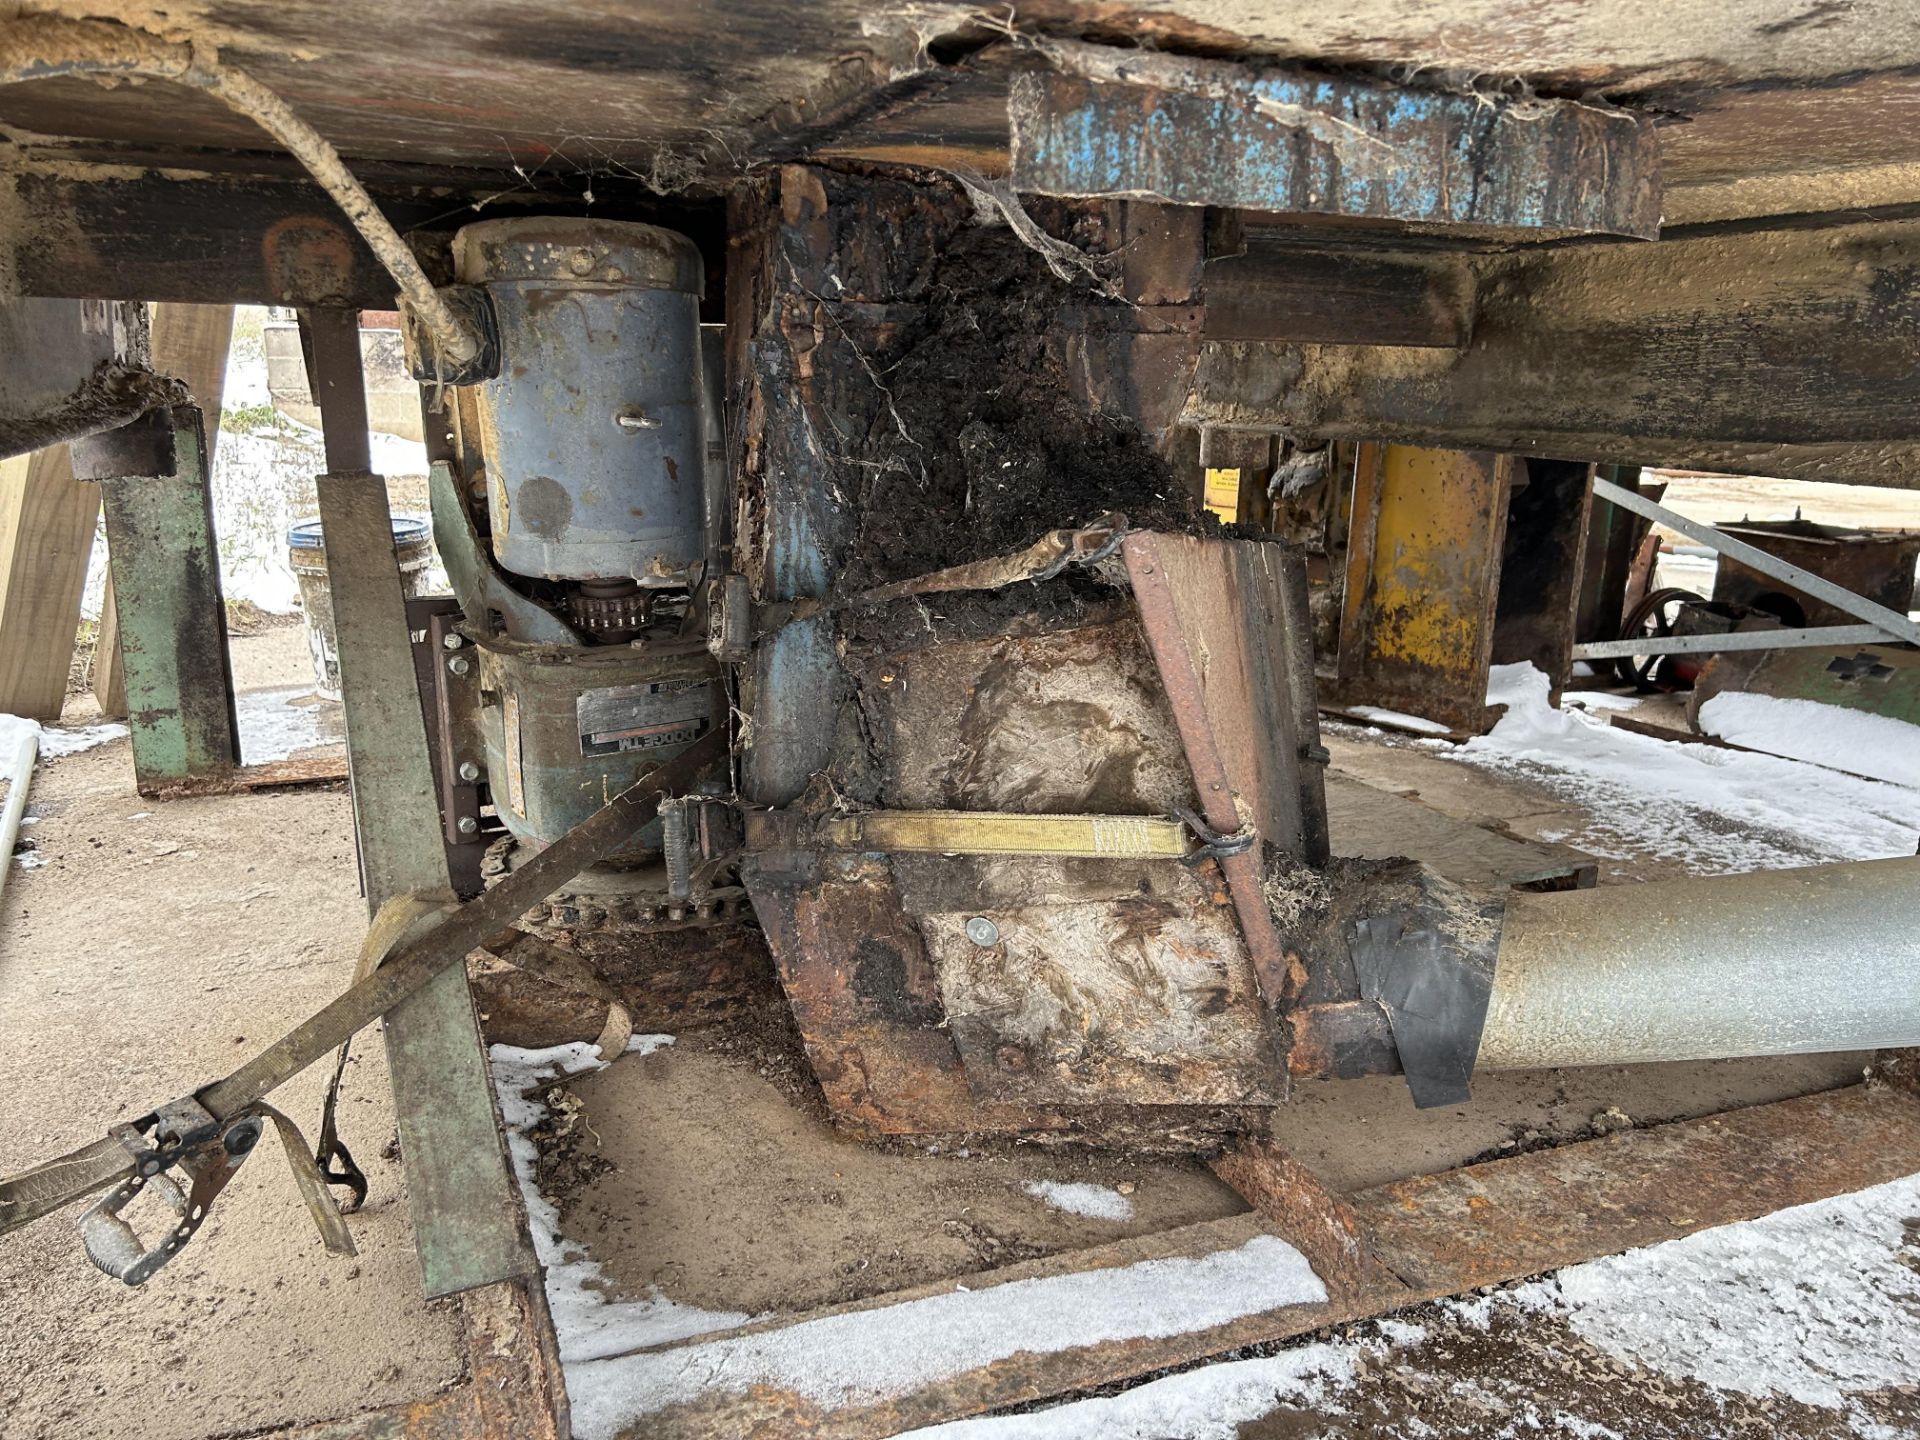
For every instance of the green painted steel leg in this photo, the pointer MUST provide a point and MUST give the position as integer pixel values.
(173, 619)
(467, 1217)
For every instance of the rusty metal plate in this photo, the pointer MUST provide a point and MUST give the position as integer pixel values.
(1494, 1222)
(1422, 582)
(1188, 131)
(1141, 999)
(1070, 722)
(868, 1006)
(1227, 623)
(1228, 628)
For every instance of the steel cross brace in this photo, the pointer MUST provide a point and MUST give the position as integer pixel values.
(1884, 624)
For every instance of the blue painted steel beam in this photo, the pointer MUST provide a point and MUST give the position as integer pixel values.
(1107, 123)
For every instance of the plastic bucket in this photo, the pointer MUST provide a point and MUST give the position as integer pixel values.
(412, 546)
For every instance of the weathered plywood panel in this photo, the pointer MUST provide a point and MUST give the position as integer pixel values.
(1072, 722)
(1146, 1000)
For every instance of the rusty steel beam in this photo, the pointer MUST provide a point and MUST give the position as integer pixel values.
(1309, 1216)
(1760, 352)
(1299, 295)
(1144, 125)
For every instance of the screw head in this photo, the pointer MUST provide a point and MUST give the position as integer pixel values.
(983, 932)
(451, 641)
(459, 665)
(466, 825)
(469, 771)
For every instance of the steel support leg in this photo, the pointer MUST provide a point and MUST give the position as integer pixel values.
(172, 617)
(467, 1217)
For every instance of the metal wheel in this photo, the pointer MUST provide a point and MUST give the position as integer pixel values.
(1652, 618)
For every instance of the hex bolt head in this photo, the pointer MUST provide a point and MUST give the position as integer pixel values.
(452, 641)
(466, 825)
(469, 771)
(459, 665)
(983, 932)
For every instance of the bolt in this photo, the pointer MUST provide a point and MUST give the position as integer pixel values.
(634, 418)
(581, 262)
(459, 665)
(466, 824)
(452, 641)
(983, 932)
(469, 771)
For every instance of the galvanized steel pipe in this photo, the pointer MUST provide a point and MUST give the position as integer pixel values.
(1778, 962)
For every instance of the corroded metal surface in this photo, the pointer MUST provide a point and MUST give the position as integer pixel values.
(1137, 123)
(1422, 580)
(1875, 563)
(1508, 1218)
(868, 1004)
(1310, 1217)
(1546, 537)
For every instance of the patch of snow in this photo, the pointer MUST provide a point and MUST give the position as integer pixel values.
(1852, 740)
(586, 1323)
(55, 742)
(870, 1355)
(1713, 810)
(1397, 719)
(29, 860)
(1210, 1403)
(1401, 1332)
(1812, 1302)
(278, 724)
(14, 729)
(1584, 1429)
(1096, 1202)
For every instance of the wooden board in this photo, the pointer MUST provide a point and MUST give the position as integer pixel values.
(47, 521)
(1763, 352)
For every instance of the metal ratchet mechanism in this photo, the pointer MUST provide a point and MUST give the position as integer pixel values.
(206, 1135)
(207, 1151)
